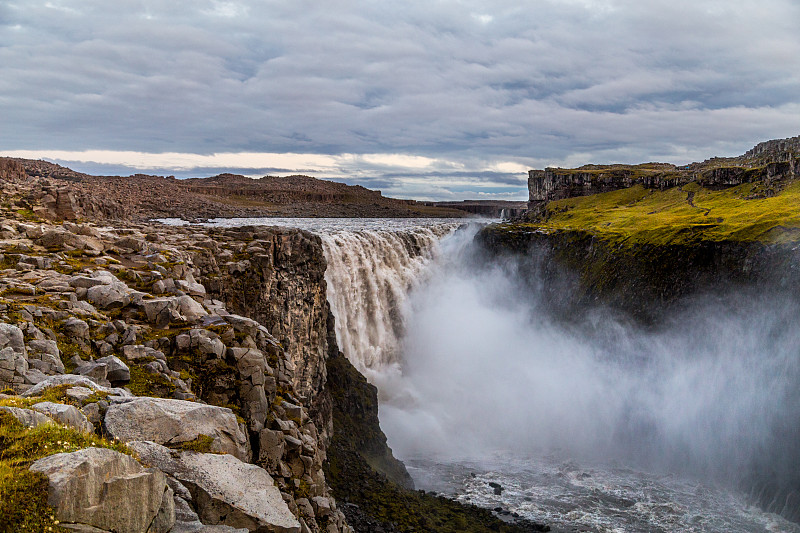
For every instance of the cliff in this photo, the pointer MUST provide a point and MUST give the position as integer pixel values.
(162, 379)
(766, 162)
(641, 243)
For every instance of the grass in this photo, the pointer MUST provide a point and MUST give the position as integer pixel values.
(202, 444)
(640, 216)
(144, 383)
(23, 494)
(57, 394)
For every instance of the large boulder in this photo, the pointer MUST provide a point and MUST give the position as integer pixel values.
(190, 310)
(105, 489)
(224, 489)
(172, 422)
(11, 337)
(116, 369)
(111, 296)
(161, 311)
(13, 361)
(44, 355)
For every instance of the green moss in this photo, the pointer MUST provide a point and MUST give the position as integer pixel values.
(143, 383)
(23, 502)
(202, 444)
(28, 214)
(57, 394)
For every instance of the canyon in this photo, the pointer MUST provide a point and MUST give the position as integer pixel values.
(181, 362)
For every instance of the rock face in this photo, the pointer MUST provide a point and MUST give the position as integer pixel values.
(226, 491)
(283, 288)
(105, 489)
(174, 422)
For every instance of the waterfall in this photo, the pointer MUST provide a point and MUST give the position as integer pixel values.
(369, 275)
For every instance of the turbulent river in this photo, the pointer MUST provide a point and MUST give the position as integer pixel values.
(593, 426)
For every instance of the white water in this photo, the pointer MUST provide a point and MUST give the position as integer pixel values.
(598, 426)
(369, 275)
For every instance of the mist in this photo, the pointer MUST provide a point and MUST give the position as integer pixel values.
(712, 392)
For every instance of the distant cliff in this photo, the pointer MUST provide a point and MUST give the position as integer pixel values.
(767, 161)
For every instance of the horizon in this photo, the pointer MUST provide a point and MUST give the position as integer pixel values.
(445, 101)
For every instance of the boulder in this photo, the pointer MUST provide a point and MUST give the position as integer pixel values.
(92, 369)
(271, 448)
(190, 310)
(160, 311)
(11, 337)
(105, 489)
(44, 355)
(172, 422)
(224, 489)
(76, 328)
(116, 370)
(65, 414)
(86, 282)
(27, 417)
(109, 296)
(191, 288)
(13, 361)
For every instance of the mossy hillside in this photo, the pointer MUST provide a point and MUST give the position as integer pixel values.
(640, 251)
(751, 212)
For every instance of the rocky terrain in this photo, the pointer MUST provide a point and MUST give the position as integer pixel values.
(109, 332)
(157, 378)
(69, 194)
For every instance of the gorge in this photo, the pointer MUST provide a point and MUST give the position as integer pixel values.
(621, 361)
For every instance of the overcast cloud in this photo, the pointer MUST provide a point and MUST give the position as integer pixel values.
(428, 99)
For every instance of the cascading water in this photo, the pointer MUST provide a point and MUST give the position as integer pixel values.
(370, 274)
(597, 426)
(477, 387)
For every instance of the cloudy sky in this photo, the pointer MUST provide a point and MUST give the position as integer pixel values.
(421, 99)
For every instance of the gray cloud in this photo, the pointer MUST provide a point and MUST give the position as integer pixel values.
(537, 82)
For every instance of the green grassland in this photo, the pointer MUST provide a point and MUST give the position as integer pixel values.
(751, 212)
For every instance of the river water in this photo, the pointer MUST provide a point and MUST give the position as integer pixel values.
(600, 428)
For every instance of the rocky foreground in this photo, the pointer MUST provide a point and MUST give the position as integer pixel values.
(165, 379)
(106, 332)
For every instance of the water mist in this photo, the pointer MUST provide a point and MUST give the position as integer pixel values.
(485, 370)
(478, 369)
